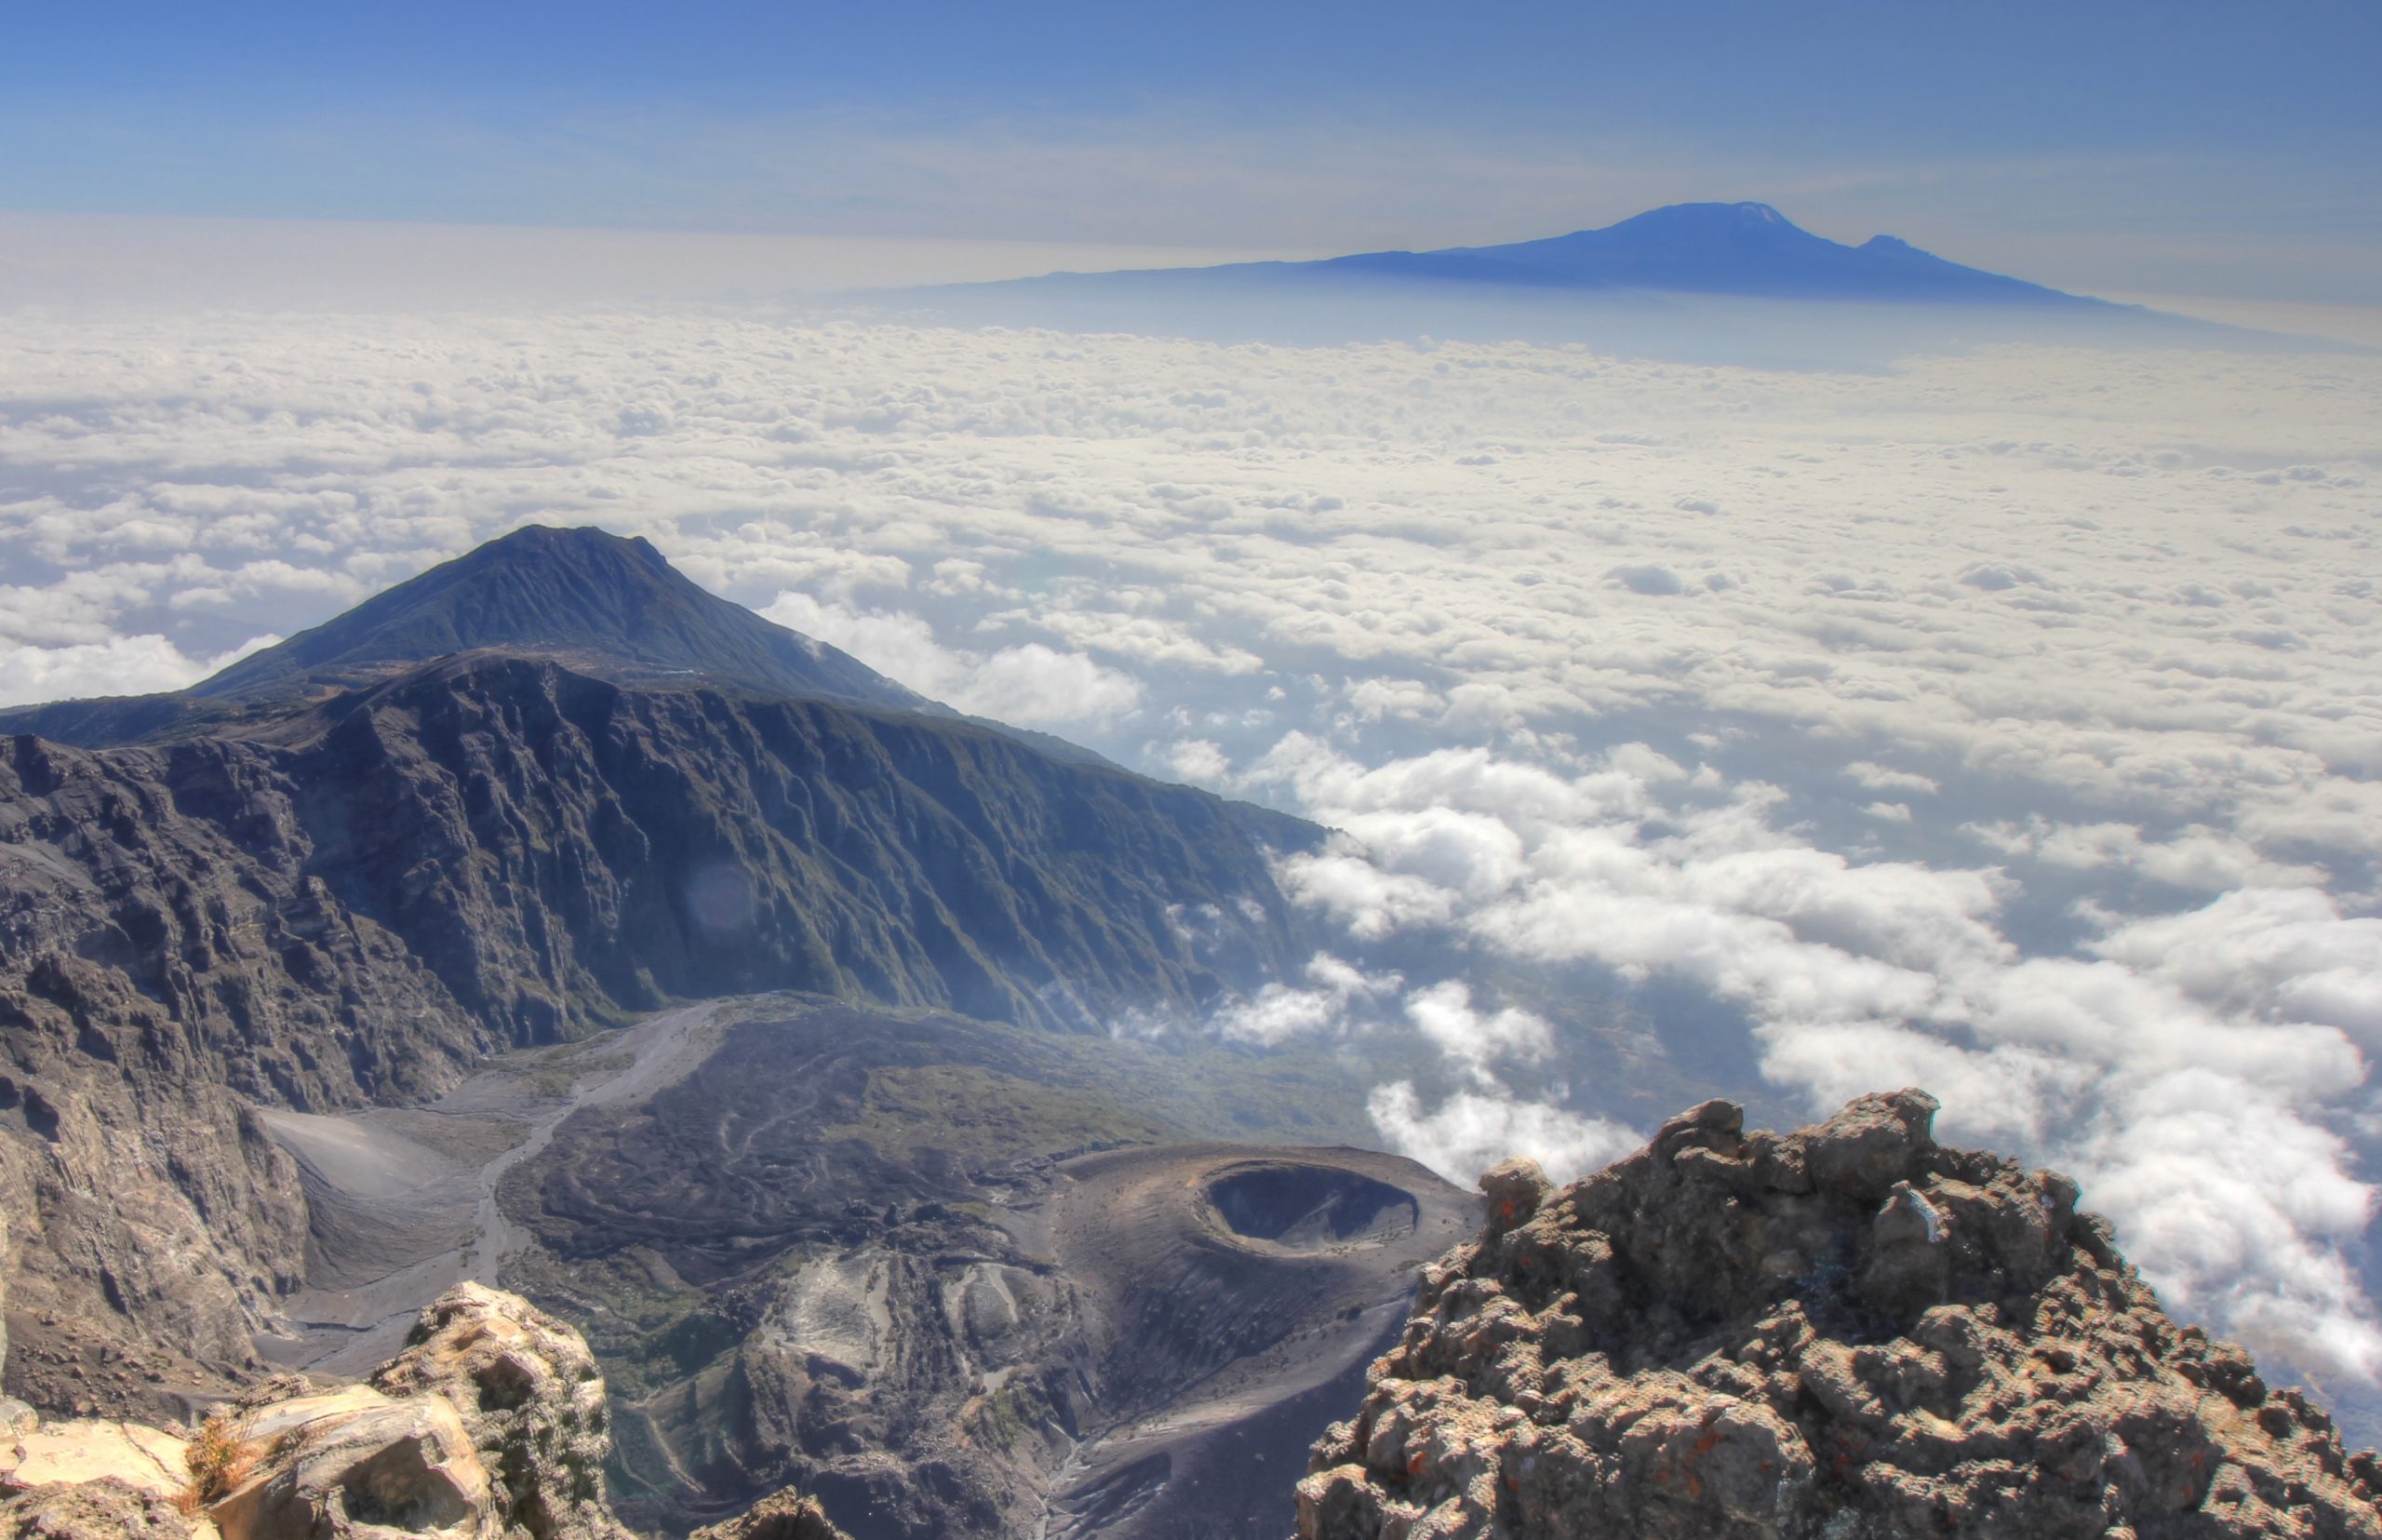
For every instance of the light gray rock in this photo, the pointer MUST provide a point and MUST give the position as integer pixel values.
(62, 1452)
(1849, 1333)
(356, 1463)
(490, 1426)
(529, 1395)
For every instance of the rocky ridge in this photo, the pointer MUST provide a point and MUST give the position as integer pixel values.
(534, 791)
(1847, 1332)
(490, 1426)
(494, 850)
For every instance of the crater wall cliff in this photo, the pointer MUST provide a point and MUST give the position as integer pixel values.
(352, 903)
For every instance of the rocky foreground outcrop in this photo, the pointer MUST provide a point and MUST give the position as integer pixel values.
(1842, 1332)
(490, 1426)
(784, 1517)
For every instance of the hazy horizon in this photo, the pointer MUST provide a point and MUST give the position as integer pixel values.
(98, 262)
(2163, 148)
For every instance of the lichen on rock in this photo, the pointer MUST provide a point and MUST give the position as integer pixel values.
(1842, 1332)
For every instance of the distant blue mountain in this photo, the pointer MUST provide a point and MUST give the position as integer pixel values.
(1737, 248)
(1698, 282)
(1747, 249)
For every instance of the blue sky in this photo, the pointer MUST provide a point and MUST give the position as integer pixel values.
(2191, 147)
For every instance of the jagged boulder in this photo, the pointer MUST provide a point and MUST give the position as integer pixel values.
(786, 1516)
(1846, 1332)
(354, 1463)
(490, 1426)
(530, 1396)
(91, 1480)
(34, 1453)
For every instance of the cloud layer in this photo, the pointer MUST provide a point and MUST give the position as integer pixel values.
(2006, 723)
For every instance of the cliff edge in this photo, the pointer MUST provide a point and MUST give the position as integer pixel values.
(1844, 1333)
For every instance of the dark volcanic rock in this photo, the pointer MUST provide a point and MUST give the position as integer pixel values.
(540, 837)
(1842, 1332)
(495, 850)
(163, 956)
(936, 1274)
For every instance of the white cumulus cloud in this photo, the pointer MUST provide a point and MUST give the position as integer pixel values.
(1471, 1130)
(1030, 684)
(2005, 722)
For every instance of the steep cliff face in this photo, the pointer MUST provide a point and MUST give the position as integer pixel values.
(166, 957)
(541, 837)
(1843, 1333)
(355, 901)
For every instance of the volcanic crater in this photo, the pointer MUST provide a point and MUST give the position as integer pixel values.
(949, 1276)
(1299, 1206)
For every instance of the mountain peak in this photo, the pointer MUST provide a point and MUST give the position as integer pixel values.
(1701, 221)
(586, 544)
(607, 606)
(603, 603)
(1747, 249)
(1733, 213)
(542, 539)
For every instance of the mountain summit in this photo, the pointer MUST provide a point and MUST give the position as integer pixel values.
(1746, 248)
(597, 603)
(1735, 283)
(602, 603)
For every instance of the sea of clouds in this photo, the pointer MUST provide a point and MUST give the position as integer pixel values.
(2007, 723)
